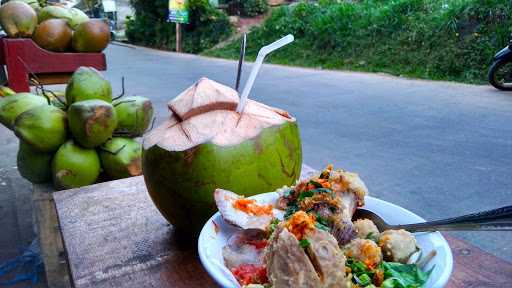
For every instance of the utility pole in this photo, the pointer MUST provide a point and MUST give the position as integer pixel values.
(178, 37)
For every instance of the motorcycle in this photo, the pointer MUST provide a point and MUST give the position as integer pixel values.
(500, 73)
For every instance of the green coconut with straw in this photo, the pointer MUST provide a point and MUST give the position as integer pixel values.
(215, 139)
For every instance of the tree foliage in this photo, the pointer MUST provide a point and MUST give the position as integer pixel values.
(435, 39)
(150, 27)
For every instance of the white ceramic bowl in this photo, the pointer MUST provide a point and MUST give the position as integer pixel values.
(216, 232)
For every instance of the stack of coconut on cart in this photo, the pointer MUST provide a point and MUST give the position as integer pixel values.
(54, 28)
(45, 45)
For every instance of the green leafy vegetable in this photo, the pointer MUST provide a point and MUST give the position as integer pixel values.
(321, 226)
(288, 192)
(322, 223)
(403, 275)
(304, 243)
(396, 275)
(316, 184)
(291, 208)
(305, 194)
(373, 237)
(321, 190)
(391, 283)
(363, 279)
(273, 225)
(357, 267)
(310, 193)
(321, 220)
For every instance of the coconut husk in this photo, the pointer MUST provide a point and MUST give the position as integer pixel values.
(206, 112)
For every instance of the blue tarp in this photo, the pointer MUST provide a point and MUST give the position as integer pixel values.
(25, 267)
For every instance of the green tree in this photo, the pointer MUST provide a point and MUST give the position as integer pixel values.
(208, 26)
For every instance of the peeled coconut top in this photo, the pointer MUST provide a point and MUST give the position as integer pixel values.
(206, 112)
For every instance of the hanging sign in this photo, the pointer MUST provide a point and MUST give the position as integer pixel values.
(178, 11)
(109, 5)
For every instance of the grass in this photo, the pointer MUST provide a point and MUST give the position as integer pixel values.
(431, 39)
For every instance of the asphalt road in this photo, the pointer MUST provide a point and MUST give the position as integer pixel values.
(439, 149)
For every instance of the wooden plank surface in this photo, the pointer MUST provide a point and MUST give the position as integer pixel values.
(53, 78)
(115, 237)
(475, 268)
(50, 240)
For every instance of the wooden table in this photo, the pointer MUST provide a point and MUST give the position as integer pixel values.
(115, 237)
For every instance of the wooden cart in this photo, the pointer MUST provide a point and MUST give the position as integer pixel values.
(23, 59)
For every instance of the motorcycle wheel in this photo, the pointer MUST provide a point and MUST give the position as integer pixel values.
(500, 74)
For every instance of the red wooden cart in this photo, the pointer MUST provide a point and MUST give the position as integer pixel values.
(22, 58)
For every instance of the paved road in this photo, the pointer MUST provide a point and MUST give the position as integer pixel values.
(439, 149)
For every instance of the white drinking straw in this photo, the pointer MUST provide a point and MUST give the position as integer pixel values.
(257, 65)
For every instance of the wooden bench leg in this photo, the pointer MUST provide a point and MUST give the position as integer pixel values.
(17, 76)
(50, 238)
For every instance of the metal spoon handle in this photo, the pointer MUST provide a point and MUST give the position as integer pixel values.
(492, 220)
(425, 227)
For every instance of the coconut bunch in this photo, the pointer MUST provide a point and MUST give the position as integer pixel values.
(78, 136)
(54, 28)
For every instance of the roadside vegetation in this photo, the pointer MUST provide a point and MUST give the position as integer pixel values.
(149, 27)
(251, 8)
(432, 39)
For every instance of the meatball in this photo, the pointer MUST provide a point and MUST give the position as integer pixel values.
(397, 245)
(365, 251)
(366, 227)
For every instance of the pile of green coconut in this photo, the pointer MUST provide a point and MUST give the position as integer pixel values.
(54, 28)
(79, 137)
